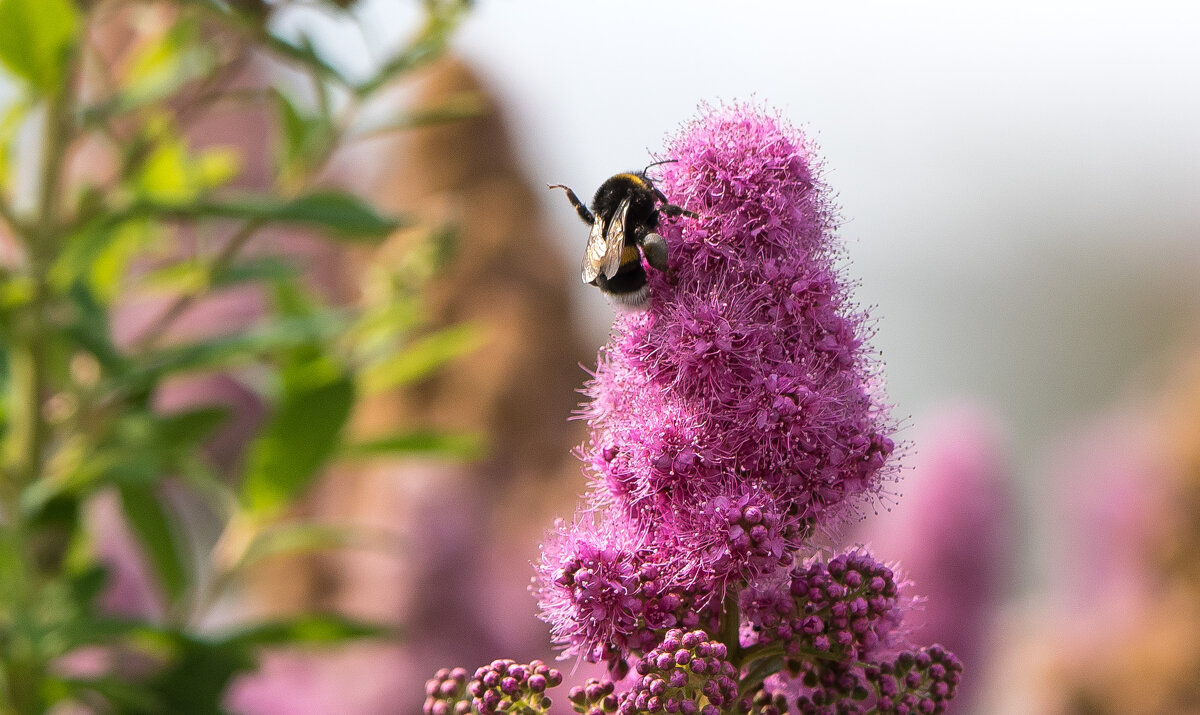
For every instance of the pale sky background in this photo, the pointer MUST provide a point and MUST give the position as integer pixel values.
(1020, 181)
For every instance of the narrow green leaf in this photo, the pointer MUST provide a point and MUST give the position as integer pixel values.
(471, 445)
(158, 537)
(198, 675)
(461, 105)
(129, 697)
(299, 438)
(173, 175)
(10, 121)
(121, 465)
(307, 629)
(260, 268)
(304, 136)
(189, 428)
(296, 538)
(421, 358)
(343, 215)
(184, 277)
(87, 585)
(306, 55)
(428, 44)
(36, 37)
(274, 337)
(111, 263)
(193, 276)
(161, 67)
(90, 328)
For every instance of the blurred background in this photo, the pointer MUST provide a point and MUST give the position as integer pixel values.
(1019, 184)
(1020, 187)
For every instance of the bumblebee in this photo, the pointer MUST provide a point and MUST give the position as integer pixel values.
(624, 219)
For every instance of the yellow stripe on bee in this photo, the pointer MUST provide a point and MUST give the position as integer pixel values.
(630, 255)
(635, 179)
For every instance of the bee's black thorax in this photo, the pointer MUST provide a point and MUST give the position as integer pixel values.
(643, 209)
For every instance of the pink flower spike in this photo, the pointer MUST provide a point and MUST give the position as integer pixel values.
(749, 373)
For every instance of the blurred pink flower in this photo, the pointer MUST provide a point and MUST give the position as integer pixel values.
(1111, 478)
(131, 590)
(354, 679)
(954, 532)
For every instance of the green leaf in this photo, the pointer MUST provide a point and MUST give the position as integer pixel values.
(99, 254)
(174, 176)
(107, 272)
(90, 328)
(306, 55)
(460, 105)
(87, 585)
(36, 36)
(192, 276)
(260, 268)
(158, 537)
(239, 349)
(198, 676)
(312, 629)
(428, 44)
(304, 137)
(128, 697)
(421, 358)
(421, 443)
(189, 428)
(298, 439)
(121, 465)
(10, 122)
(161, 67)
(295, 538)
(343, 215)
(165, 175)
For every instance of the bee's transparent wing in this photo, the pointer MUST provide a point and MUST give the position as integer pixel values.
(605, 244)
(593, 255)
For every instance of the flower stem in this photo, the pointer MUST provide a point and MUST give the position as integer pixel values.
(28, 431)
(730, 625)
(24, 451)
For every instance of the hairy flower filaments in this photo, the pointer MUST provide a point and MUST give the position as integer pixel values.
(750, 367)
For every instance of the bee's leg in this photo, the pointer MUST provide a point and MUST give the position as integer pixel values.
(669, 208)
(579, 207)
(654, 248)
(673, 210)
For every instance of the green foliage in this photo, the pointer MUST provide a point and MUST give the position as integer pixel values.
(344, 216)
(159, 536)
(299, 437)
(419, 443)
(35, 38)
(152, 215)
(421, 358)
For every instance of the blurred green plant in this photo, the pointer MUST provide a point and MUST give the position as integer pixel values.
(149, 213)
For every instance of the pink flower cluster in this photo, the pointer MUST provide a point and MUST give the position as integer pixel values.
(737, 416)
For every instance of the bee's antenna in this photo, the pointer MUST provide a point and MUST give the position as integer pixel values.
(651, 166)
